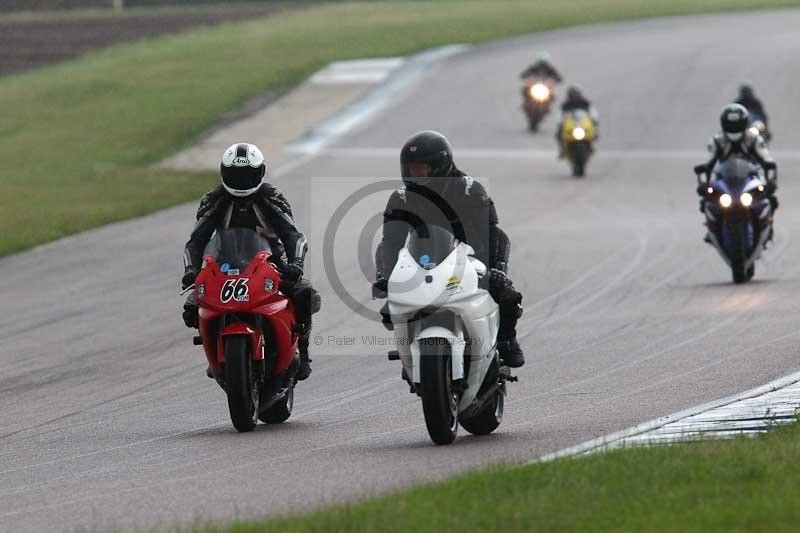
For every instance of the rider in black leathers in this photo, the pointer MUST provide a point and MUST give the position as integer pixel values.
(244, 200)
(748, 99)
(435, 192)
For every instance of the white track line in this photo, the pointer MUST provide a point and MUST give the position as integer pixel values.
(638, 434)
(396, 81)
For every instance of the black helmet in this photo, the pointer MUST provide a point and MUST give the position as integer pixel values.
(734, 121)
(574, 93)
(242, 169)
(427, 147)
(746, 90)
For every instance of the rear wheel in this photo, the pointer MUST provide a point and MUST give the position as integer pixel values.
(240, 383)
(280, 411)
(439, 400)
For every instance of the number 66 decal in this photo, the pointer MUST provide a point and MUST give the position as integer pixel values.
(235, 289)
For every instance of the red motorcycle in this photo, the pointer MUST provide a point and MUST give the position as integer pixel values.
(248, 329)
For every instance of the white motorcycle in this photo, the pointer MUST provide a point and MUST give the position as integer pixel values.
(445, 329)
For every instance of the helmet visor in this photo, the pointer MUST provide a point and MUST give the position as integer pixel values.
(242, 179)
(416, 172)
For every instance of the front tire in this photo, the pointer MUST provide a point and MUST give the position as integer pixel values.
(580, 155)
(738, 253)
(533, 122)
(240, 383)
(439, 401)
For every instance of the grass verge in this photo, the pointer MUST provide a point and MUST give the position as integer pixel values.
(77, 140)
(728, 485)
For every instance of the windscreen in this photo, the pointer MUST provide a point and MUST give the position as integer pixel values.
(236, 247)
(430, 245)
(735, 169)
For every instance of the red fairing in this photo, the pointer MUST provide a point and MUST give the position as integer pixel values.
(252, 292)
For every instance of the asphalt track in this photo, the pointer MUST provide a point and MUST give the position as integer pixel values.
(109, 421)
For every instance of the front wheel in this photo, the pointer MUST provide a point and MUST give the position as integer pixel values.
(240, 383)
(579, 158)
(439, 400)
(738, 252)
(533, 121)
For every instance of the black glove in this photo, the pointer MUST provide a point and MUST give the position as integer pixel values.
(495, 280)
(188, 277)
(292, 272)
(379, 288)
(191, 315)
(772, 186)
(701, 169)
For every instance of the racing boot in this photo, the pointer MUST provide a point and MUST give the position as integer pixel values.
(511, 352)
(305, 361)
(507, 344)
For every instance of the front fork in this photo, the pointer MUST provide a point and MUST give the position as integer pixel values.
(214, 347)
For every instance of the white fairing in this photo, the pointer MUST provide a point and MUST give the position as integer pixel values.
(451, 287)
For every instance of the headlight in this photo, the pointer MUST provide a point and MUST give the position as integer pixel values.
(540, 92)
(746, 198)
(754, 131)
(578, 134)
(725, 200)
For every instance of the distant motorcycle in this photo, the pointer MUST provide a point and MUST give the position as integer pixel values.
(738, 213)
(445, 328)
(247, 328)
(578, 132)
(759, 126)
(537, 97)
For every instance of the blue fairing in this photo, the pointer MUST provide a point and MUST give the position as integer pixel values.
(735, 177)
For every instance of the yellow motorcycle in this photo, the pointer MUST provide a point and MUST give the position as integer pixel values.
(578, 132)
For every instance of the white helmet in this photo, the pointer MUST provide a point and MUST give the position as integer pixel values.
(242, 169)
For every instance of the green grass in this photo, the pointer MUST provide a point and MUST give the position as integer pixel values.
(78, 140)
(736, 485)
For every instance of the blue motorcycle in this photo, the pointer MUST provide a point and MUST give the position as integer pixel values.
(738, 212)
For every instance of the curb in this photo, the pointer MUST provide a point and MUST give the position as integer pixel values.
(607, 441)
